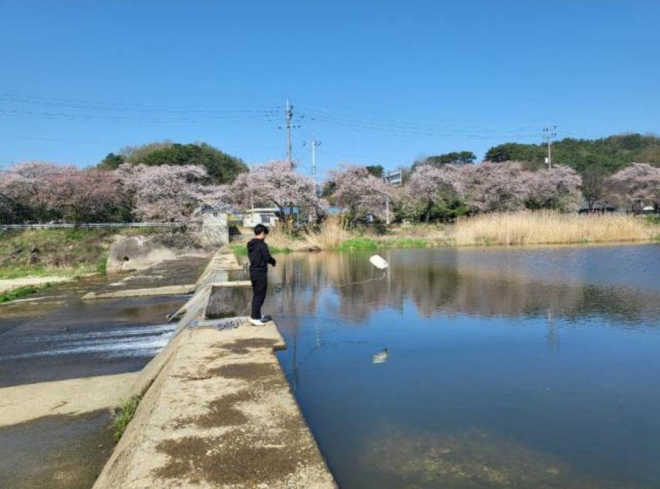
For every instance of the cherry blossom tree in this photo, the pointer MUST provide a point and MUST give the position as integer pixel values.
(555, 188)
(27, 189)
(359, 192)
(277, 184)
(85, 195)
(492, 187)
(428, 186)
(503, 187)
(167, 193)
(635, 187)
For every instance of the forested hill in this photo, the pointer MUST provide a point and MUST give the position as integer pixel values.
(609, 154)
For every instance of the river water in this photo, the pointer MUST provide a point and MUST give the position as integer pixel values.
(478, 368)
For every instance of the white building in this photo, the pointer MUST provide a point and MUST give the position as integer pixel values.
(265, 215)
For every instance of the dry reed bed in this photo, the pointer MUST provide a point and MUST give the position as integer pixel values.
(527, 228)
(330, 235)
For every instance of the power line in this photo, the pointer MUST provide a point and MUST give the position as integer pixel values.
(125, 106)
(128, 119)
(56, 140)
(401, 128)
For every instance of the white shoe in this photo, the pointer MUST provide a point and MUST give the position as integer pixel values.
(257, 322)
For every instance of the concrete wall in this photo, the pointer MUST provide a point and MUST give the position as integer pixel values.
(136, 253)
(218, 413)
(215, 229)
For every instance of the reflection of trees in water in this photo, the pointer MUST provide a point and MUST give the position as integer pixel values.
(446, 288)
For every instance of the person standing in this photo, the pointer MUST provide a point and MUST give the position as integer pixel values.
(260, 258)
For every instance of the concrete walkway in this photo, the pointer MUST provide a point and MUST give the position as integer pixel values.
(218, 414)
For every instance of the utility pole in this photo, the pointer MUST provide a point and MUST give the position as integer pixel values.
(549, 133)
(314, 143)
(289, 116)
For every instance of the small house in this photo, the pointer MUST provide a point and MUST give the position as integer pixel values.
(267, 216)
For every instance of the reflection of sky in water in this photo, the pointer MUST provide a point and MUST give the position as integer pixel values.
(516, 379)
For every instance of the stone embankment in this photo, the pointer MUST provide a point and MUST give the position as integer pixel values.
(216, 410)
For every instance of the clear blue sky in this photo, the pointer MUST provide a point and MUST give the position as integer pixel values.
(378, 82)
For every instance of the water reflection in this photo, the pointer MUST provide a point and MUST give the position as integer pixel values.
(440, 282)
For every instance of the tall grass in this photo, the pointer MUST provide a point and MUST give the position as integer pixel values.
(526, 228)
(329, 236)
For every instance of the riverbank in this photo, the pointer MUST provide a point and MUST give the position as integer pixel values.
(36, 258)
(53, 253)
(506, 229)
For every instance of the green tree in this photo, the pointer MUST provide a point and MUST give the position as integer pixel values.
(111, 162)
(593, 183)
(376, 170)
(221, 167)
(609, 154)
(515, 152)
(453, 158)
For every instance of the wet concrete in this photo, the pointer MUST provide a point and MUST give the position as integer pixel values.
(55, 452)
(185, 270)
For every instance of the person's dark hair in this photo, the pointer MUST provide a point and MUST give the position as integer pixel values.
(260, 228)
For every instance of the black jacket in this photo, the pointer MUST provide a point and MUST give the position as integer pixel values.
(259, 255)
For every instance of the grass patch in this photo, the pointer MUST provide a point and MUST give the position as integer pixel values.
(241, 249)
(12, 295)
(102, 266)
(59, 252)
(408, 243)
(279, 249)
(123, 416)
(360, 243)
(653, 219)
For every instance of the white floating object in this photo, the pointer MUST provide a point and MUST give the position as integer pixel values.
(379, 262)
(381, 356)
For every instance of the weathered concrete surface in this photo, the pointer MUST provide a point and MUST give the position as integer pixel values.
(219, 414)
(218, 269)
(136, 253)
(179, 271)
(167, 290)
(228, 302)
(22, 403)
